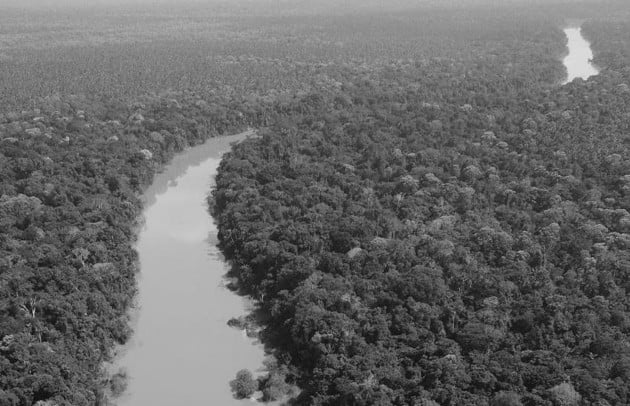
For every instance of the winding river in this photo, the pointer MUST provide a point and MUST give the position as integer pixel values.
(578, 61)
(182, 352)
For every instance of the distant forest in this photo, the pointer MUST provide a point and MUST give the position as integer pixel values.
(429, 218)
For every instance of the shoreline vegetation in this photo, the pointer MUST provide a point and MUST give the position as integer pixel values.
(73, 171)
(427, 219)
(181, 284)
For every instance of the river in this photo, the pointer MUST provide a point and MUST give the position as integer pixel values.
(182, 352)
(578, 61)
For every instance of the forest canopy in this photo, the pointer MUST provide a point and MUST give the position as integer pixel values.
(450, 232)
(428, 217)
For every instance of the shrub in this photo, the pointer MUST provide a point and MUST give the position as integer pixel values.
(244, 385)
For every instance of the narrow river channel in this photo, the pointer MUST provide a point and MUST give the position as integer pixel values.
(182, 352)
(578, 61)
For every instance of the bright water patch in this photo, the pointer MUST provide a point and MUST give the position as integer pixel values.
(578, 61)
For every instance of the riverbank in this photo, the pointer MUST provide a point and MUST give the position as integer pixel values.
(73, 170)
(183, 305)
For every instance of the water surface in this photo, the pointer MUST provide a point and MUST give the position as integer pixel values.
(578, 61)
(182, 352)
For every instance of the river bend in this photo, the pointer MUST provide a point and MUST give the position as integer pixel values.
(182, 352)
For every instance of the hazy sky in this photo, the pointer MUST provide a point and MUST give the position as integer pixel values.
(291, 5)
(383, 3)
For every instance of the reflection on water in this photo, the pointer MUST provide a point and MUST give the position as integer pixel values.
(182, 351)
(578, 61)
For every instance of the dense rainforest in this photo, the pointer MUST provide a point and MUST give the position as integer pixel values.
(446, 232)
(427, 219)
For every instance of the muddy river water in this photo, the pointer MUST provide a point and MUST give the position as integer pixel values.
(182, 352)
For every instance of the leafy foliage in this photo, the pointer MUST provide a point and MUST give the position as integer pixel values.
(69, 211)
(426, 220)
(244, 385)
(457, 233)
